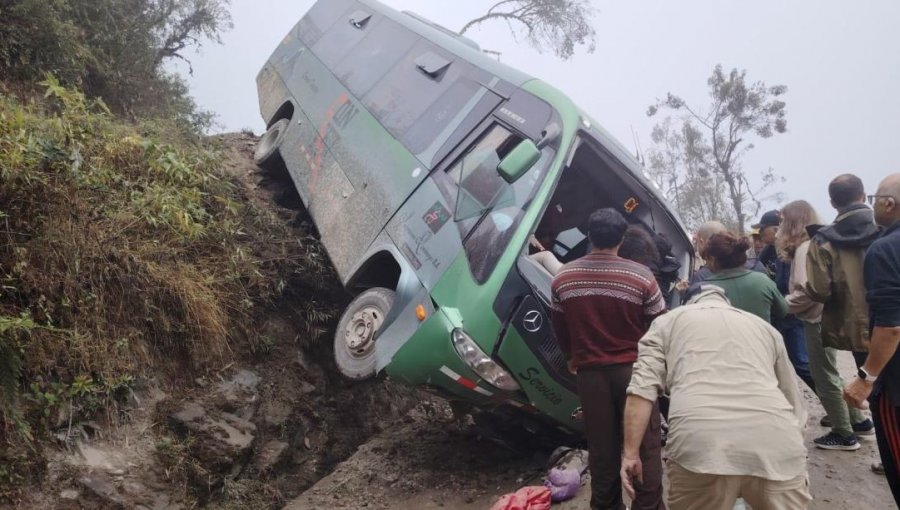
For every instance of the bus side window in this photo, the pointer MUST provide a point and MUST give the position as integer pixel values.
(487, 208)
(479, 184)
(382, 47)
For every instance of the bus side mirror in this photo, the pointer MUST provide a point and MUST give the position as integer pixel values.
(519, 161)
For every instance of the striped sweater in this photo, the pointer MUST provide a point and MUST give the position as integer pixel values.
(602, 306)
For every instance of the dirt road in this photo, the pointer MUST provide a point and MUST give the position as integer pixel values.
(431, 461)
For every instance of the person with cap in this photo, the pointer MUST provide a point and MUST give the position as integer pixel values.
(768, 229)
(878, 379)
(779, 270)
(756, 246)
(737, 416)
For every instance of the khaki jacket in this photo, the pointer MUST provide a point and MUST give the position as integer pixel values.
(799, 302)
(735, 407)
(836, 279)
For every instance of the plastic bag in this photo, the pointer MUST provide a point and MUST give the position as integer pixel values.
(563, 484)
(526, 498)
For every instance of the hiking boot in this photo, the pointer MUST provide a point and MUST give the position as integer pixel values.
(832, 441)
(864, 428)
(825, 422)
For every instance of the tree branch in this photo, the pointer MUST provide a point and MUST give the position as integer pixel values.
(482, 19)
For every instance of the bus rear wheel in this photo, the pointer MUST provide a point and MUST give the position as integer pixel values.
(354, 340)
(267, 155)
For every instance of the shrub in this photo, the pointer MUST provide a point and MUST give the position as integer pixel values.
(112, 49)
(122, 254)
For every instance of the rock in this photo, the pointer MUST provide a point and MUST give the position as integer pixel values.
(190, 412)
(97, 459)
(275, 414)
(305, 388)
(238, 395)
(61, 416)
(101, 486)
(70, 494)
(222, 441)
(270, 456)
(133, 487)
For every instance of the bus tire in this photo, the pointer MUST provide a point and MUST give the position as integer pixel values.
(267, 155)
(354, 339)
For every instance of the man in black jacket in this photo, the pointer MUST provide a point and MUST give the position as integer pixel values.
(879, 378)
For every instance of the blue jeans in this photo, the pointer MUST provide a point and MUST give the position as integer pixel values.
(791, 330)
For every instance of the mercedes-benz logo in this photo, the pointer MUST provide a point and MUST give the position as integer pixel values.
(533, 321)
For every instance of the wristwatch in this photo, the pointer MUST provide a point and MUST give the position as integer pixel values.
(865, 376)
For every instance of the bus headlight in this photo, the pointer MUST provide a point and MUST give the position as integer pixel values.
(481, 363)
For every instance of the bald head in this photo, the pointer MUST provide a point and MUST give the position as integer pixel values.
(887, 204)
(890, 186)
(708, 229)
(845, 190)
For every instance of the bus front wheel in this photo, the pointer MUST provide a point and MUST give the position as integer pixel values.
(354, 340)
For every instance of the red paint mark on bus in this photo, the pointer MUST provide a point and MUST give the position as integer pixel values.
(320, 141)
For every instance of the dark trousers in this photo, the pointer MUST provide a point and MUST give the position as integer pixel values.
(860, 358)
(795, 342)
(887, 429)
(602, 392)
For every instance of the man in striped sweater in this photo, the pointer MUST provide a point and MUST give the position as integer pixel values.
(602, 306)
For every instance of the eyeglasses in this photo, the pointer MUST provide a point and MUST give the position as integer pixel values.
(873, 198)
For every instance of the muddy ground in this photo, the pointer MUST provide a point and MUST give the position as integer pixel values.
(432, 463)
(282, 430)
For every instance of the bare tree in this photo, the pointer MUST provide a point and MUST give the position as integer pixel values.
(180, 24)
(559, 25)
(737, 111)
(678, 163)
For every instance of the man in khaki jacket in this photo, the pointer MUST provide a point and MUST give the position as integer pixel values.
(736, 414)
(835, 268)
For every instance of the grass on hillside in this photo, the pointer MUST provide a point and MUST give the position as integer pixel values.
(124, 252)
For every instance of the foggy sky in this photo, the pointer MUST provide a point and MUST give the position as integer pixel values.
(839, 60)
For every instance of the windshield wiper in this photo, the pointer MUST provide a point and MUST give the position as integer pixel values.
(477, 224)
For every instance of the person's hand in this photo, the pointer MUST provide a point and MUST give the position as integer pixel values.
(571, 366)
(632, 472)
(857, 393)
(578, 414)
(682, 286)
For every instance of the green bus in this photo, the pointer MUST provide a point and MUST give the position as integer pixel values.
(428, 169)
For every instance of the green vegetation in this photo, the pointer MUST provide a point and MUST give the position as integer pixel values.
(111, 49)
(130, 252)
(125, 252)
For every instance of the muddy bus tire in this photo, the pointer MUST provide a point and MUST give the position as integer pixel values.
(266, 155)
(354, 340)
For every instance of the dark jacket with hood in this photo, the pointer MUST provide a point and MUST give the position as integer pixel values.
(835, 269)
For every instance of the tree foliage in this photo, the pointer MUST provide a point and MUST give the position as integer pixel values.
(699, 163)
(679, 164)
(114, 49)
(558, 25)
